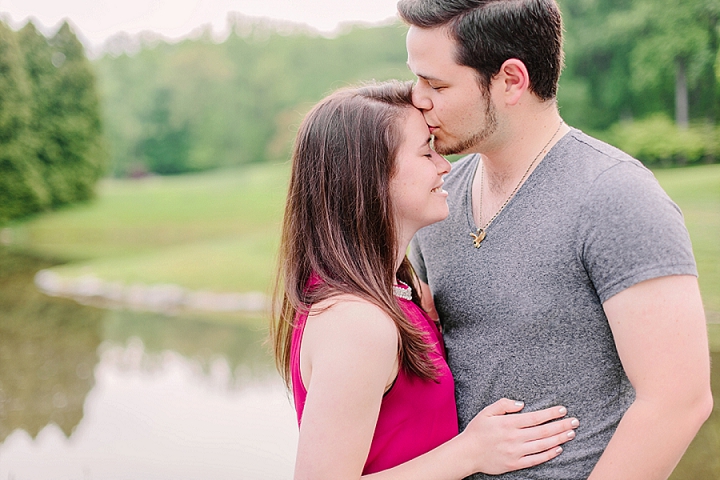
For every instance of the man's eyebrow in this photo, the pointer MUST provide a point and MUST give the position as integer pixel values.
(427, 78)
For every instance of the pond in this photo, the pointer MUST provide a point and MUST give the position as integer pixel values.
(87, 393)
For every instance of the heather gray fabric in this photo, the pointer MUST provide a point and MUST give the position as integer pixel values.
(522, 315)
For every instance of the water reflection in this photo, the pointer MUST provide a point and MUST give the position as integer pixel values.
(242, 346)
(88, 393)
(48, 350)
(161, 417)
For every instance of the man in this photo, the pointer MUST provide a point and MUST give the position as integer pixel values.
(564, 275)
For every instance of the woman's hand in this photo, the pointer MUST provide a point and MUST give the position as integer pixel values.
(500, 443)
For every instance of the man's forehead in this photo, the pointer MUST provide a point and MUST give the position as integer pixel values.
(434, 58)
(429, 45)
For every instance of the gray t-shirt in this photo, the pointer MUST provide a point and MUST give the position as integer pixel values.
(522, 315)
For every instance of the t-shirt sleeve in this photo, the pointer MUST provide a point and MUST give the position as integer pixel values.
(631, 231)
(416, 259)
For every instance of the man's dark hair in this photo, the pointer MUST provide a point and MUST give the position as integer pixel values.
(489, 32)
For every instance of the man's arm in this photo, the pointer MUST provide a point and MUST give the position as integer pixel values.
(661, 337)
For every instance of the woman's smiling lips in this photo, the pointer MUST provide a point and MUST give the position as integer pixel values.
(438, 189)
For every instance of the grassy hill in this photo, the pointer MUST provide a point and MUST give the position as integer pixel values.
(216, 231)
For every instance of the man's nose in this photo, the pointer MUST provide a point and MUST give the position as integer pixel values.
(420, 98)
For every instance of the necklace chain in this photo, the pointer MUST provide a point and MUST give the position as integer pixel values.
(481, 232)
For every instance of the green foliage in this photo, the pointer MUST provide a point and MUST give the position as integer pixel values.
(660, 53)
(22, 189)
(657, 141)
(630, 59)
(73, 152)
(198, 104)
(51, 149)
(164, 147)
(204, 105)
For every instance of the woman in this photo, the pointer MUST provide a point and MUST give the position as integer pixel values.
(373, 393)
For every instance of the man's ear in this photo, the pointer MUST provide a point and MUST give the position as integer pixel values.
(515, 80)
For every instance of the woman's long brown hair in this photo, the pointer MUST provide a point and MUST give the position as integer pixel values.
(339, 224)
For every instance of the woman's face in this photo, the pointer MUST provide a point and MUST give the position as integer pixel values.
(416, 186)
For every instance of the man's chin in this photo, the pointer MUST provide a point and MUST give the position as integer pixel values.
(457, 148)
(448, 149)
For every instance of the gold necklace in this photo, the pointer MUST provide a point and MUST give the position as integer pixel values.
(481, 232)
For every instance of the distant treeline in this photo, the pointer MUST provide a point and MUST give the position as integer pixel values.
(51, 147)
(198, 104)
(642, 74)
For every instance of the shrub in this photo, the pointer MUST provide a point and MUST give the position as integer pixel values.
(657, 141)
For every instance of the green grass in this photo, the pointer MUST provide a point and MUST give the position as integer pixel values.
(697, 191)
(242, 263)
(714, 338)
(219, 230)
(216, 231)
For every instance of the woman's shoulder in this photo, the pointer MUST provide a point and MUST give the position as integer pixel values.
(352, 309)
(351, 338)
(350, 318)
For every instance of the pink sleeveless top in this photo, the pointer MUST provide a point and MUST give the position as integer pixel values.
(415, 415)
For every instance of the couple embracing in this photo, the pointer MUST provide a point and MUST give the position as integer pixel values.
(546, 322)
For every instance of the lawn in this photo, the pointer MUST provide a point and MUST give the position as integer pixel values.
(219, 230)
(216, 231)
(697, 191)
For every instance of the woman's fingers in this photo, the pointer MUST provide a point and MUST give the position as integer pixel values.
(506, 440)
(533, 425)
(503, 406)
(538, 458)
(546, 448)
(541, 431)
(562, 431)
(550, 429)
(539, 417)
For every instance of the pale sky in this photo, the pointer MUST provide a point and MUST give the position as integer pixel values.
(96, 20)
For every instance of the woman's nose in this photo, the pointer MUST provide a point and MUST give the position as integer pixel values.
(442, 163)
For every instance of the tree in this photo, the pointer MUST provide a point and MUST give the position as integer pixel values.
(237, 102)
(164, 147)
(22, 188)
(38, 63)
(679, 46)
(73, 150)
(641, 57)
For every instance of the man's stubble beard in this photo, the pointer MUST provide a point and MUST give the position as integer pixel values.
(465, 144)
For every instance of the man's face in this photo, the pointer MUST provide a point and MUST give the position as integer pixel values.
(459, 113)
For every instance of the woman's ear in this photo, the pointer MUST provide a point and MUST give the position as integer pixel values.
(515, 79)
